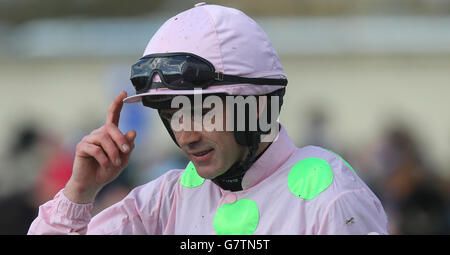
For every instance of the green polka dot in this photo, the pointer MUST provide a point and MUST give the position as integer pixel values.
(238, 218)
(348, 165)
(309, 177)
(190, 178)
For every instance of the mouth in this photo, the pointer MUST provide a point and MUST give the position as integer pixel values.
(202, 156)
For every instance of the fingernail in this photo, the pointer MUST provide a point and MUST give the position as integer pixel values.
(118, 162)
(125, 148)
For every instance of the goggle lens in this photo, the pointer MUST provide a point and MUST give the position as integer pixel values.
(176, 72)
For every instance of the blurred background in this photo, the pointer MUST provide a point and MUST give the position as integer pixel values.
(368, 79)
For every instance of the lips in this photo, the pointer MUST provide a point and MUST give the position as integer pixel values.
(201, 153)
(201, 156)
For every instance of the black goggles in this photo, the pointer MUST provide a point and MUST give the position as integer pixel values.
(185, 71)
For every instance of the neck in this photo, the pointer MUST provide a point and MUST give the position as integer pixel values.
(232, 179)
(261, 148)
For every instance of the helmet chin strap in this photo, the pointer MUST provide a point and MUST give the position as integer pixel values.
(232, 178)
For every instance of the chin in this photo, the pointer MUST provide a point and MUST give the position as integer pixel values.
(209, 172)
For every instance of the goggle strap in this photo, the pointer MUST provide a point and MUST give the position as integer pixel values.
(227, 80)
(232, 79)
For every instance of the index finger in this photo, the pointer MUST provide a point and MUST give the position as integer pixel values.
(115, 108)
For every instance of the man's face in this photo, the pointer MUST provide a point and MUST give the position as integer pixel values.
(212, 152)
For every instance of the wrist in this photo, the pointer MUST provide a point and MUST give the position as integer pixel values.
(79, 194)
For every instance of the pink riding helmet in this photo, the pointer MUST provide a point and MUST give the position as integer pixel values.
(233, 42)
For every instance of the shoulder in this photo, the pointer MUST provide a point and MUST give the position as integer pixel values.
(319, 166)
(165, 184)
(146, 200)
(327, 174)
(142, 205)
(331, 188)
(318, 175)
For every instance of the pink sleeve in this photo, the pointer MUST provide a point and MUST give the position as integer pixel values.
(145, 210)
(354, 212)
(61, 216)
